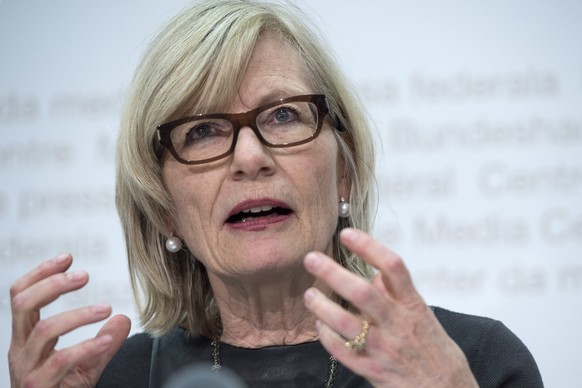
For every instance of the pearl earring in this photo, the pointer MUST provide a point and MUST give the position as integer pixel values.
(173, 244)
(344, 208)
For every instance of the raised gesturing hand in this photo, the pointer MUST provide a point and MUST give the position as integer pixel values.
(33, 359)
(405, 345)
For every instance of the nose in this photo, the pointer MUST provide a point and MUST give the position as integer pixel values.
(251, 159)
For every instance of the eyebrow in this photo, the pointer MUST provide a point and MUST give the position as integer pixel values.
(272, 96)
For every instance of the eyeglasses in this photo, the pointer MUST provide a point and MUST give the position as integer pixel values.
(205, 138)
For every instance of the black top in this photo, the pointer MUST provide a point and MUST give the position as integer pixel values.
(496, 356)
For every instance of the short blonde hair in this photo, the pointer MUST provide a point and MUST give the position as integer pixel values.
(197, 63)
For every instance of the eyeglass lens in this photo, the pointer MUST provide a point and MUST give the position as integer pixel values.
(205, 138)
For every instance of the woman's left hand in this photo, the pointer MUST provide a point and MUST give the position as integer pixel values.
(405, 345)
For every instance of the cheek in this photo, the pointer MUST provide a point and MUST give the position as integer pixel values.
(322, 187)
(193, 196)
(194, 201)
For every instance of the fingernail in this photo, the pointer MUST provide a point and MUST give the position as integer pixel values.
(103, 340)
(309, 295)
(100, 308)
(318, 325)
(312, 260)
(76, 276)
(350, 234)
(61, 258)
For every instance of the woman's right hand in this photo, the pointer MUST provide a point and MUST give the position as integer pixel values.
(33, 359)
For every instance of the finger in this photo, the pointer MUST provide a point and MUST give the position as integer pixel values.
(45, 333)
(45, 269)
(333, 315)
(332, 341)
(358, 291)
(118, 328)
(89, 357)
(397, 280)
(26, 304)
(62, 362)
(335, 345)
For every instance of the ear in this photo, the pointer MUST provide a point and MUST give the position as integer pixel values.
(344, 181)
(170, 227)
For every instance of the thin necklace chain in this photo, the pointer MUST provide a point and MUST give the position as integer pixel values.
(217, 365)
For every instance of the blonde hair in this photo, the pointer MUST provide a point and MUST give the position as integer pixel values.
(197, 63)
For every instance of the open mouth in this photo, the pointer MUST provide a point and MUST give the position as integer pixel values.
(256, 213)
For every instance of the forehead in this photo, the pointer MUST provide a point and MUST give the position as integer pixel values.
(274, 71)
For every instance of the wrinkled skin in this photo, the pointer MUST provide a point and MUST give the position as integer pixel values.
(33, 359)
(405, 345)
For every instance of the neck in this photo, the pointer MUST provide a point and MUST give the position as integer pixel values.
(266, 312)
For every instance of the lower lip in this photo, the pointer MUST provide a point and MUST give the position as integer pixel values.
(260, 223)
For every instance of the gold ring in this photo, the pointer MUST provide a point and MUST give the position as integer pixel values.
(359, 342)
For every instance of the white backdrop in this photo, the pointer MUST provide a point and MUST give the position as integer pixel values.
(478, 112)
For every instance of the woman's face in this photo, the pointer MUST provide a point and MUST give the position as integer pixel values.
(301, 184)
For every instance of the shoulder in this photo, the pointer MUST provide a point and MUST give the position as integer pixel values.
(465, 328)
(496, 355)
(130, 367)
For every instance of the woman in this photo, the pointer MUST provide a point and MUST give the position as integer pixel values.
(236, 232)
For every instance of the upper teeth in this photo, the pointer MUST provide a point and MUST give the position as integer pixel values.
(258, 209)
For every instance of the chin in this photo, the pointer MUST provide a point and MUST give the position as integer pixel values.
(261, 260)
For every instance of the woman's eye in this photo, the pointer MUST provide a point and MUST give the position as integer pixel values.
(284, 115)
(202, 130)
(199, 132)
(287, 117)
